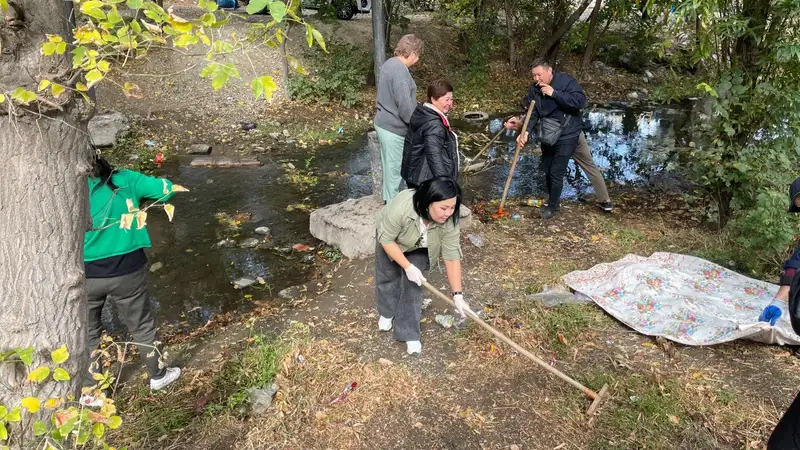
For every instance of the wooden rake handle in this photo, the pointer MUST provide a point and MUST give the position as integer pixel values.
(590, 393)
(516, 155)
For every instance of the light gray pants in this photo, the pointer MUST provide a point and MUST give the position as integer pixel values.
(583, 158)
(398, 297)
(129, 295)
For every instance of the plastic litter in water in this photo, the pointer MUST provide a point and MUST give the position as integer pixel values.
(495, 125)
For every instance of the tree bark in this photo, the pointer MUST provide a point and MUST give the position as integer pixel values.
(512, 50)
(43, 208)
(378, 37)
(555, 39)
(591, 39)
(285, 64)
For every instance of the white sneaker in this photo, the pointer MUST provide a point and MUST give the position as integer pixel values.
(172, 374)
(91, 401)
(385, 323)
(413, 347)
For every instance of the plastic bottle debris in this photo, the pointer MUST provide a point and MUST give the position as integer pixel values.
(343, 396)
(425, 303)
(301, 359)
(243, 282)
(340, 131)
(534, 202)
(516, 216)
(445, 320)
(150, 143)
(477, 240)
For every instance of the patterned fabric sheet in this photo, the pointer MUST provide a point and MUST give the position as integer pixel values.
(684, 299)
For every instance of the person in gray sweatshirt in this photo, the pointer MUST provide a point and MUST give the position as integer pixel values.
(396, 100)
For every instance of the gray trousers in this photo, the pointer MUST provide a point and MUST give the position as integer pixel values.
(396, 296)
(129, 295)
(583, 158)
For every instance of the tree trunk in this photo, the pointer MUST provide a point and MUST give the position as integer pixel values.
(555, 39)
(43, 206)
(591, 40)
(378, 37)
(285, 64)
(388, 10)
(512, 50)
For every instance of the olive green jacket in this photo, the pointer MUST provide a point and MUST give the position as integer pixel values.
(398, 222)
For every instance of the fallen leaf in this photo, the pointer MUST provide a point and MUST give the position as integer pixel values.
(141, 220)
(674, 419)
(170, 210)
(417, 425)
(301, 247)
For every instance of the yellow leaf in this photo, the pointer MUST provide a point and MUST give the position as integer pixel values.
(81, 87)
(179, 188)
(129, 203)
(57, 89)
(53, 403)
(39, 375)
(32, 404)
(59, 355)
(141, 220)
(170, 210)
(126, 221)
(2, 98)
(43, 85)
(104, 66)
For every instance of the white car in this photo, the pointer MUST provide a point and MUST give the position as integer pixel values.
(345, 9)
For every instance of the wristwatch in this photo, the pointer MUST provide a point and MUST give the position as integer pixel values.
(457, 293)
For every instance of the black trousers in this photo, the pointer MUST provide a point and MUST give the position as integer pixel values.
(786, 435)
(398, 297)
(555, 159)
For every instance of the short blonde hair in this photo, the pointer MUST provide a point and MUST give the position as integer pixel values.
(407, 45)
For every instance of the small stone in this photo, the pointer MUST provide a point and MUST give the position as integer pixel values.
(308, 259)
(417, 425)
(633, 95)
(249, 243)
(261, 399)
(275, 135)
(286, 133)
(156, 267)
(199, 149)
(225, 243)
(243, 282)
(477, 240)
(290, 292)
(264, 231)
(209, 181)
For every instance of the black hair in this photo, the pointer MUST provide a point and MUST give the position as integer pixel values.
(436, 190)
(103, 170)
(544, 62)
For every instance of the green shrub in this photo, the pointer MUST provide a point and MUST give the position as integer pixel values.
(336, 77)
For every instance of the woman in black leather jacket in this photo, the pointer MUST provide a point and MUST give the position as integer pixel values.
(431, 146)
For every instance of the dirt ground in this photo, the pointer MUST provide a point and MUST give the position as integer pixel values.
(466, 389)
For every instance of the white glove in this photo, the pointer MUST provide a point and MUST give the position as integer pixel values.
(414, 275)
(461, 305)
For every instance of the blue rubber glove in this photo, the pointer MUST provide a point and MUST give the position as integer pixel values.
(771, 313)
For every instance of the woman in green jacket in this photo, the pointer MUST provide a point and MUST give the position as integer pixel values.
(116, 265)
(415, 228)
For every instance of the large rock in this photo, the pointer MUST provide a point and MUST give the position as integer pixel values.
(349, 225)
(104, 129)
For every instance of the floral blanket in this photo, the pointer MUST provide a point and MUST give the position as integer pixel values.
(684, 299)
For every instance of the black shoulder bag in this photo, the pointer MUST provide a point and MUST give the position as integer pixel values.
(549, 131)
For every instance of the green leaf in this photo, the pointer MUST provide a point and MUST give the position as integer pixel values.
(92, 77)
(134, 4)
(25, 354)
(277, 10)
(39, 375)
(32, 404)
(3, 413)
(320, 40)
(264, 86)
(309, 35)
(48, 48)
(39, 428)
(24, 97)
(14, 415)
(3, 432)
(60, 355)
(115, 422)
(104, 66)
(61, 47)
(113, 16)
(2, 98)
(256, 6)
(98, 430)
(208, 5)
(3, 5)
(59, 374)
(43, 85)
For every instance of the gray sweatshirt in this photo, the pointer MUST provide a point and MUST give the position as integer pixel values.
(397, 97)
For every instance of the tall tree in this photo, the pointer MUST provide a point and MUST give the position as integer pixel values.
(550, 47)
(591, 39)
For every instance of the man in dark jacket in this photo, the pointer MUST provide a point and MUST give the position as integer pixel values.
(559, 97)
(430, 149)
